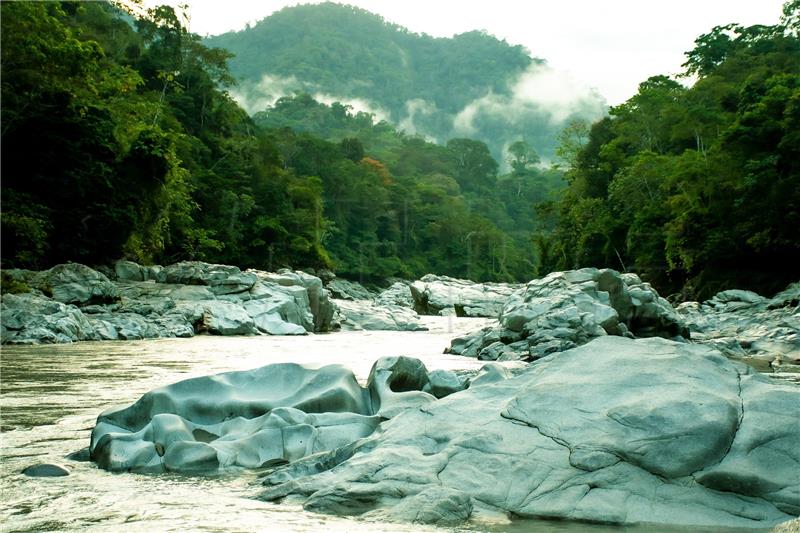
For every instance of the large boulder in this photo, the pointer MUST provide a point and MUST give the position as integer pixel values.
(442, 295)
(33, 319)
(322, 309)
(618, 431)
(254, 418)
(129, 271)
(220, 279)
(74, 283)
(397, 294)
(342, 289)
(567, 309)
(366, 315)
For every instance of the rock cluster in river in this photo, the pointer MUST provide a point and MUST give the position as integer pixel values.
(73, 302)
(744, 324)
(617, 431)
(567, 309)
(358, 308)
(262, 417)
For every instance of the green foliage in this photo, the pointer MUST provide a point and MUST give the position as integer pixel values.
(697, 189)
(401, 206)
(9, 285)
(432, 86)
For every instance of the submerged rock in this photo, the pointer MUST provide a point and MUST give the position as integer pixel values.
(567, 309)
(46, 470)
(619, 431)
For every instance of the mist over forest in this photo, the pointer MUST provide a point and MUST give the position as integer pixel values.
(325, 137)
(471, 85)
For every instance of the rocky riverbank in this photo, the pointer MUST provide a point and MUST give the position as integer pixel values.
(630, 411)
(618, 431)
(73, 302)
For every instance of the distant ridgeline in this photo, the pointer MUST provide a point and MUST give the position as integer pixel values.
(472, 85)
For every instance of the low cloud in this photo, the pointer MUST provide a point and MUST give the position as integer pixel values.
(417, 111)
(359, 105)
(540, 93)
(255, 97)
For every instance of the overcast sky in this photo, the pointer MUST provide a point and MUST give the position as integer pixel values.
(611, 45)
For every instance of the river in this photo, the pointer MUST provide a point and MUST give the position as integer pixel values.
(50, 396)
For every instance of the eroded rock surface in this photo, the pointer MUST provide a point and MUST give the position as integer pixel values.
(270, 415)
(618, 430)
(744, 324)
(442, 295)
(369, 315)
(567, 309)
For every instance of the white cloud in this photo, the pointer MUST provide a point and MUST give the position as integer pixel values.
(255, 97)
(359, 105)
(553, 95)
(414, 109)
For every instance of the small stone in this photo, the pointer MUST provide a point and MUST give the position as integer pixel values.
(46, 470)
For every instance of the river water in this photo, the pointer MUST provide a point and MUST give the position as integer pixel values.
(51, 395)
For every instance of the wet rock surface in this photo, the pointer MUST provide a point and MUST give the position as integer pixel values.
(256, 418)
(618, 431)
(46, 470)
(73, 302)
(743, 324)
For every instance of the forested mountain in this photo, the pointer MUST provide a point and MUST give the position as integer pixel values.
(698, 189)
(120, 140)
(471, 85)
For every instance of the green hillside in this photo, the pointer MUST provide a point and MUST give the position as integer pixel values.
(438, 87)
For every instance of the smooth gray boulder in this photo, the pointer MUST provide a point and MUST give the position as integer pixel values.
(443, 295)
(567, 309)
(129, 271)
(272, 414)
(46, 470)
(72, 283)
(226, 318)
(397, 294)
(342, 289)
(255, 418)
(617, 431)
(397, 384)
(366, 315)
(322, 309)
(443, 383)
